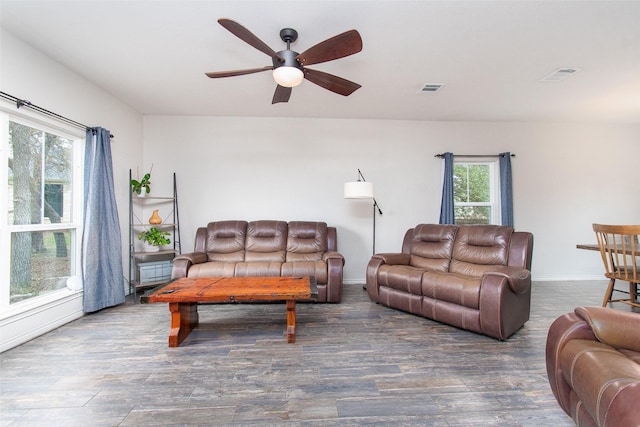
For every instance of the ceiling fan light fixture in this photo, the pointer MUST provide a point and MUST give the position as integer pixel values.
(289, 66)
(288, 76)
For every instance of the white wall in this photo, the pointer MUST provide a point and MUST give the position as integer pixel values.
(28, 74)
(294, 169)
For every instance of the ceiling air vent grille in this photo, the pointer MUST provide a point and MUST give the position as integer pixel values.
(430, 88)
(559, 74)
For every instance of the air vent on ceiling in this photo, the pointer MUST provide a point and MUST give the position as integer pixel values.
(559, 74)
(431, 87)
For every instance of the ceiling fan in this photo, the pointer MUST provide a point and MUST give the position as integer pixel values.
(290, 68)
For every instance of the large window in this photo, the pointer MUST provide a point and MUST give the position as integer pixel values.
(476, 192)
(40, 227)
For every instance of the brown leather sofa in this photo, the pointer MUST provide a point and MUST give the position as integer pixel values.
(593, 365)
(473, 277)
(266, 248)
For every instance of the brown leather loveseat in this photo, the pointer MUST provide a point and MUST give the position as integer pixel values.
(474, 277)
(593, 365)
(266, 248)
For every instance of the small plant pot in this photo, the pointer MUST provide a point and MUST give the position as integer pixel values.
(148, 247)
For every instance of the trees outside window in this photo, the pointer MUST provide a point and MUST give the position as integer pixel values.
(41, 223)
(475, 193)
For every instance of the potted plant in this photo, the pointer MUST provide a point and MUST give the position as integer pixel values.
(143, 184)
(154, 238)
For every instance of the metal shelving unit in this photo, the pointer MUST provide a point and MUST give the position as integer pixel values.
(139, 207)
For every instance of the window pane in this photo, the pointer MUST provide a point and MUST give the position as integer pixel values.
(460, 181)
(33, 154)
(479, 183)
(40, 263)
(472, 215)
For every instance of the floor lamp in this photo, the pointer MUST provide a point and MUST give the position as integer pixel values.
(361, 189)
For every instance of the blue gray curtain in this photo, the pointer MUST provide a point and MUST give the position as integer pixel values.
(101, 239)
(506, 189)
(447, 213)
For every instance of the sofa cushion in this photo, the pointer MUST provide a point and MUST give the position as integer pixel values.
(453, 288)
(258, 268)
(307, 241)
(266, 241)
(306, 268)
(478, 247)
(401, 277)
(431, 246)
(212, 269)
(225, 241)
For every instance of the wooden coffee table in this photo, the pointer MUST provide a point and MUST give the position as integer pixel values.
(183, 296)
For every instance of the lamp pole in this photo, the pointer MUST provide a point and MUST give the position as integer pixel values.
(375, 207)
(363, 190)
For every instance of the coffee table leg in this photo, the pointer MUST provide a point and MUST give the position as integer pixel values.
(184, 317)
(291, 321)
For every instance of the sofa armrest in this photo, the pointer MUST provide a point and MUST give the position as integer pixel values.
(565, 328)
(519, 279)
(618, 329)
(193, 257)
(182, 263)
(592, 381)
(373, 267)
(332, 255)
(393, 258)
(521, 249)
(335, 263)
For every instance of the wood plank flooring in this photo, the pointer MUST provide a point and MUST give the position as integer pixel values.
(353, 363)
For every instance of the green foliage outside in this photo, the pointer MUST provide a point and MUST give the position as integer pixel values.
(472, 184)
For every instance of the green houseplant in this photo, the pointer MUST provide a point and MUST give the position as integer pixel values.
(154, 237)
(144, 183)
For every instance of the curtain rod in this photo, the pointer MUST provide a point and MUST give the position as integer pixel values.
(473, 155)
(23, 103)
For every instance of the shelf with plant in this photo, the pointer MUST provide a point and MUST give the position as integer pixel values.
(155, 238)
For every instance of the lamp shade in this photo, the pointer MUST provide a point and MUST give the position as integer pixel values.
(288, 76)
(358, 190)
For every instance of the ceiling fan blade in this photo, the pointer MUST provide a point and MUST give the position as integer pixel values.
(248, 37)
(330, 82)
(336, 47)
(282, 94)
(216, 74)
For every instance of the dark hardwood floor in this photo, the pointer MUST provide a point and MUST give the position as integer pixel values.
(354, 363)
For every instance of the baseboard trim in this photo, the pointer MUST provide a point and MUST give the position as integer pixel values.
(566, 278)
(31, 323)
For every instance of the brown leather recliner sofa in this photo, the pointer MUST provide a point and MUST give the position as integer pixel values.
(266, 248)
(474, 277)
(593, 365)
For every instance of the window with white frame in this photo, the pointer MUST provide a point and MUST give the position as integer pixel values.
(476, 187)
(41, 225)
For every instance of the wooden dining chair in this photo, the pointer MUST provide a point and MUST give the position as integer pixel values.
(620, 253)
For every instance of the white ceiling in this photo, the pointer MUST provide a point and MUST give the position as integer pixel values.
(490, 55)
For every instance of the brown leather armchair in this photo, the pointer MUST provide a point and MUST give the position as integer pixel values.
(593, 365)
